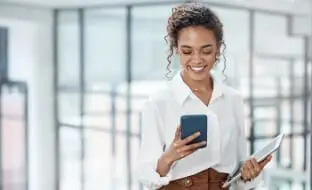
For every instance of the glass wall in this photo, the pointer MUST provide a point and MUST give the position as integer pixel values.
(110, 59)
(279, 94)
(14, 167)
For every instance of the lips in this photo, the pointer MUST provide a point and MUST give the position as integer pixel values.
(197, 68)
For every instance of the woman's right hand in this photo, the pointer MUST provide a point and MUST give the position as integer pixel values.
(179, 148)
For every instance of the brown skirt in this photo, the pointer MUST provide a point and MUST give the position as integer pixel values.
(209, 179)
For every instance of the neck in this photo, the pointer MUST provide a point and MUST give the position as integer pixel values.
(198, 85)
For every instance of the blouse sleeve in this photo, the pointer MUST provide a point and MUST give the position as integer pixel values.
(151, 149)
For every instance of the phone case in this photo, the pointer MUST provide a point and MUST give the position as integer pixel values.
(191, 124)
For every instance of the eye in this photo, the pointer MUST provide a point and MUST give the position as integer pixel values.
(207, 51)
(187, 52)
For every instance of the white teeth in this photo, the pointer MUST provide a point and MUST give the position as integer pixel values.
(197, 68)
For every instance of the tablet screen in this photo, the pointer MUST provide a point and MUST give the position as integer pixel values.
(269, 148)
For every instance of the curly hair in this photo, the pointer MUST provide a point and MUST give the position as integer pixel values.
(192, 14)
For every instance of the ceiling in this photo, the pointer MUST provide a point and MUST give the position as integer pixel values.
(66, 3)
(301, 7)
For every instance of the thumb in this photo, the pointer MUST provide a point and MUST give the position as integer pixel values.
(177, 135)
(264, 162)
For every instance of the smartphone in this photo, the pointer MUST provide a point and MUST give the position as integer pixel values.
(191, 124)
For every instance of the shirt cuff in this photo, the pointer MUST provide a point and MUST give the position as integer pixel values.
(151, 179)
(258, 181)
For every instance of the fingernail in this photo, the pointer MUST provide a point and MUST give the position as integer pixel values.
(204, 142)
(198, 133)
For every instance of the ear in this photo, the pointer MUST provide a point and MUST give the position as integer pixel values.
(217, 55)
(218, 51)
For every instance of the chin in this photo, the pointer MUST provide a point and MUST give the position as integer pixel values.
(198, 76)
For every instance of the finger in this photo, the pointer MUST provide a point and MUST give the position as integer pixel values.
(244, 173)
(248, 169)
(263, 163)
(187, 150)
(191, 138)
(177, 134)
(193, 146)
(183, 154)
(186, 153)
(252, 170)
(256, 167)
(178, 144)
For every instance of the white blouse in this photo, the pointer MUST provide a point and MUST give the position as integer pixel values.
(226, 142)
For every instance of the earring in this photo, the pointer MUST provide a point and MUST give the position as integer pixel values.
(216, 62)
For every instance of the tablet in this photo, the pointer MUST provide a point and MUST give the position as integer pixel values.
(270, 148)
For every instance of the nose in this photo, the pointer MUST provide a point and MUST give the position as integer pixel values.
(196, 58)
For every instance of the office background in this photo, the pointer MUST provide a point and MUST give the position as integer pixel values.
(74, 76)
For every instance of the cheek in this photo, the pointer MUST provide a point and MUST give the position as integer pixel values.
(184, 60)
(210, 59)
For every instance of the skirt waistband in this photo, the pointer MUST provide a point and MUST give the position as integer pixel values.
(209, 179)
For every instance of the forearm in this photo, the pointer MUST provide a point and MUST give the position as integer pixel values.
(164, 164)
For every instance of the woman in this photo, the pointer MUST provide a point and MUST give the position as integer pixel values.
(166, 162)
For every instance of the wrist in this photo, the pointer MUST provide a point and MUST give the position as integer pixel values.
(167, 159)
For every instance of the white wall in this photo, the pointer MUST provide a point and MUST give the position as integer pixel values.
(30, 60)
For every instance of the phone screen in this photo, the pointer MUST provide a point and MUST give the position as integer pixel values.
(191, 124)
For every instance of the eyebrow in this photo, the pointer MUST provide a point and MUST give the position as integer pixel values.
(204, 46)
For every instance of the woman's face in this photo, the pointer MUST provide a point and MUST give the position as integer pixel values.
(197, 49)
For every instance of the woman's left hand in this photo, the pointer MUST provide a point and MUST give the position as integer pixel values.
(251, 168)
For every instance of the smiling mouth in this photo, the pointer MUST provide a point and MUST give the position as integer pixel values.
(197, 68)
